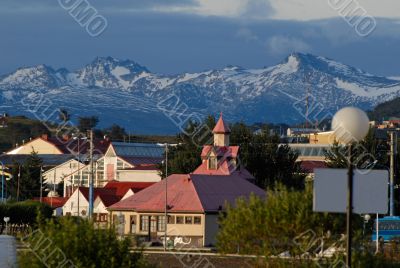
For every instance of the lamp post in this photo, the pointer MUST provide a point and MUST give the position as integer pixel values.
(350, 125)
(2, 181)
(366, 219)
(6, 220)
(166, 196)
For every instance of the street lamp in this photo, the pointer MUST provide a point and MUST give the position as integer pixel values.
(2, 181)
(350, 125)
(166, 197)
(6, 220)
(366, 218)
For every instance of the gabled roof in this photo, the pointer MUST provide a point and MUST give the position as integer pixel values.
(224, 151)
(221, 127)
(69, 146)
(309, 166)
(190, 193)
(138, 149)
(54, 202)
(135, 160)
(182, 197)
(121, 188)
(108, 200)
(215, 191)
(47, 159)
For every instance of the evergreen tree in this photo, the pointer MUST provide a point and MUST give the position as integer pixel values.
(261, 154)
(185, 157)
(30, 178)
(115, 132)
(275, 224)
(86, 123)
(370, 152)
(64, 115)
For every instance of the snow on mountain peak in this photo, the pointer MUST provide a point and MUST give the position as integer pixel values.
(265, 94)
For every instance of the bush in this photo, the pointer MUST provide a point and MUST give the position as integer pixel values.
(284, 221)
(24, 213)
(80, 244)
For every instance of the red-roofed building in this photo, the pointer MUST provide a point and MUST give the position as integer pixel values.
(60, 145)
(194, 200)
(113, 192)
(55, 202)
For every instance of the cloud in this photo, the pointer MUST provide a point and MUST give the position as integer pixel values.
(300, 10)
(246, 34)
(282, 45)
(257, 9)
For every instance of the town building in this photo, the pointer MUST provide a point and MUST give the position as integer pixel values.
(78, 203)
(194, 201)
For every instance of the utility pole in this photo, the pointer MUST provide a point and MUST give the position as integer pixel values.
(393, 149)
(41, 183)
(166, 196)
(91, 175)
(19, 177)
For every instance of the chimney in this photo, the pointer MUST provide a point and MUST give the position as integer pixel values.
(45, 137)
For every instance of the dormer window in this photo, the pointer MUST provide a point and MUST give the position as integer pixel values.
(212, 163)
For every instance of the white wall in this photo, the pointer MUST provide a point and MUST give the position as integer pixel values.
(71, 206)
(57, 174)
(138, 176)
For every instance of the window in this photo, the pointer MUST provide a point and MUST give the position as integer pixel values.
(179, 220)
(120, 164)
(161, 223)
(132, 225)
(212, 163)
(144, 223)
(103, 217)
(197, 220)
(171, 219)
(188, 220)
(153, 224)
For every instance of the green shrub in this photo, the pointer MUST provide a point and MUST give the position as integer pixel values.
(24, 213)
(80, 243)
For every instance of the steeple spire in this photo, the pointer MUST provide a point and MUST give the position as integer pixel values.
(221, 127)
(221, 133)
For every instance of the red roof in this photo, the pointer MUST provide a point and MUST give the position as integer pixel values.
(190, 193)
(138, 160)
(121, 188)
(224, 151)
(54, 202)
(309, 166)
(70, 146)
(221, 126)
(97, 192)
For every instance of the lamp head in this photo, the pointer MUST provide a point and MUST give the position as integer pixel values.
(350, 124)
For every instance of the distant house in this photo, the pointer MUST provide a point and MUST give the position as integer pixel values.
(78, 203)
(129, 162)
(124, 162)
(194, 200)
(56, 203)
(59, 145)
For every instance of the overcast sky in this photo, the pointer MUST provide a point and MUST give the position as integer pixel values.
(173, 36)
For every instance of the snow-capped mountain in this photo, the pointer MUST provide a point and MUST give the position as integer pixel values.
(126, 93)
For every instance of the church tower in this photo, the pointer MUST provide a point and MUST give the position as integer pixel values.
(221, 133)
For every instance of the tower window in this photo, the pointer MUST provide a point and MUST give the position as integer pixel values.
(212, 163)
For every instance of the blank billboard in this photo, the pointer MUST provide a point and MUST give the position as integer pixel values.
(370, 191)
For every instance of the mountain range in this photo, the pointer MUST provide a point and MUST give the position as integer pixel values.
(127, 93)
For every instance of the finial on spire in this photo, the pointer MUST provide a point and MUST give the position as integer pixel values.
(221, 126)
